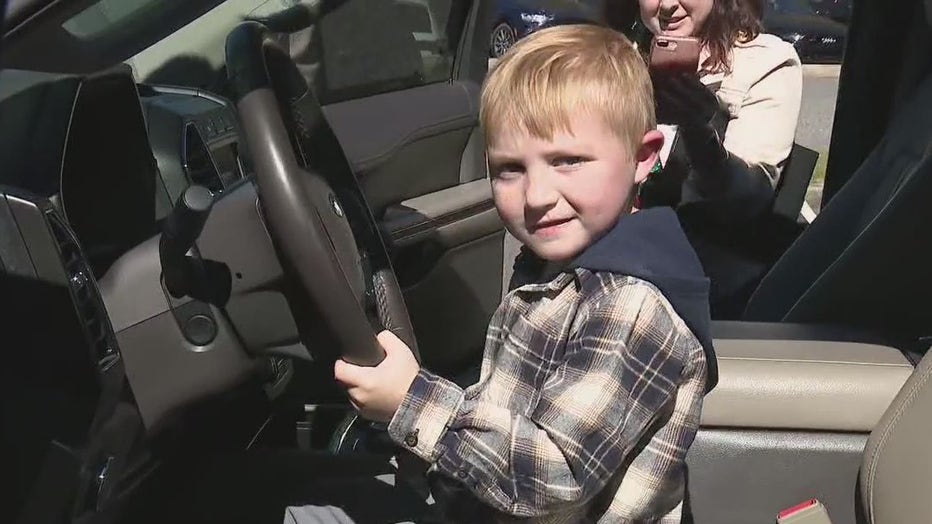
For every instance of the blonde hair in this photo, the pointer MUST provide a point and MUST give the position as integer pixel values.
(551, 75)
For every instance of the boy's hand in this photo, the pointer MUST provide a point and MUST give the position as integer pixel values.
(376, 392)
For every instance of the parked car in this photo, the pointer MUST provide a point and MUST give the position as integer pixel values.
(515, 19)
(817, 39)
(837, 10)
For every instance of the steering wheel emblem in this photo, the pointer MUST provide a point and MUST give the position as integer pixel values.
(337, 209)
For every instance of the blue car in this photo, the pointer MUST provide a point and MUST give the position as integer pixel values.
(515, 19)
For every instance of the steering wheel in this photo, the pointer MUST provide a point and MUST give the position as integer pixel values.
(316, 213)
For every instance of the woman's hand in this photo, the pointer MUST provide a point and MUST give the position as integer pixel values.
(683, 100)
(378, 391)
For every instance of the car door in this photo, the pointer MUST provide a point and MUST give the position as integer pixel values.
(399, 81)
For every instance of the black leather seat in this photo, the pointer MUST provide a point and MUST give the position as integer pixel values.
(866, 260)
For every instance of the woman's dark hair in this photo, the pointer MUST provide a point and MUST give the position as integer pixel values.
(730, 21)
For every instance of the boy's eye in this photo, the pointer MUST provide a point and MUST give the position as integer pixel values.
(508, 170)
(568, 160)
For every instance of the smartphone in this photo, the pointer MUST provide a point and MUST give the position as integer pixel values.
(674, 54)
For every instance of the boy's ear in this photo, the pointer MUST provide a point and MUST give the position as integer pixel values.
(647, 155)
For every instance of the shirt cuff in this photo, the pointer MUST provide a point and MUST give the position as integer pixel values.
(425, 414)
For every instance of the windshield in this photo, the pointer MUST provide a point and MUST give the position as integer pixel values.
(101, 17)
(197, 49)
(85, 36)
(105, 17)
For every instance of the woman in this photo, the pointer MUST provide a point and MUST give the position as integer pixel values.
(732, 127)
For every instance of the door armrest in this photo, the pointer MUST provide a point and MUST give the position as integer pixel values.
(452, 216)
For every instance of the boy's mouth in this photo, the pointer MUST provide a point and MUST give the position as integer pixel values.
(549, 227)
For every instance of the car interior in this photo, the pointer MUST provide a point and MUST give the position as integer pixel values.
(205, 203)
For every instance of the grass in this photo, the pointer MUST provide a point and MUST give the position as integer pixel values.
(814, 192)
(818, 175)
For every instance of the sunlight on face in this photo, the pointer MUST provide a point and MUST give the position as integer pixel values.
(675, 17)
(557, 196)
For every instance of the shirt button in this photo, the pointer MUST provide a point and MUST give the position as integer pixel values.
(461, 473)
(411, 439)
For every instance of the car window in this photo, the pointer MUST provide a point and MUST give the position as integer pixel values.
(361, 48)
(416, 14)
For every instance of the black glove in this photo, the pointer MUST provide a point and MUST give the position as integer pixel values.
(717, 175)
(683, 100)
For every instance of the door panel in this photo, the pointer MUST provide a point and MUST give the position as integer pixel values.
(737, 476)
(451, 304)
(419, 159)
(449, 264)
(788, 419)
(452, 216)
(406, 143)
(404, 117)
(414, 153)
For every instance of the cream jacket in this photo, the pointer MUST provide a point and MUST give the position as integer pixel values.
(762, 93)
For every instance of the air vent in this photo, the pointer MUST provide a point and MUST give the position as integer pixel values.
(197, 160)
(90, 306)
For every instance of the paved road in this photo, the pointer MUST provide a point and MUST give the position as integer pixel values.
(820, 85)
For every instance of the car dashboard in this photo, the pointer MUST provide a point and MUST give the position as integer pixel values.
(114, 155)
(195, 139)
(91, 168)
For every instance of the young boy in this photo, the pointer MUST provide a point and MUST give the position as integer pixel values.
(596, 362)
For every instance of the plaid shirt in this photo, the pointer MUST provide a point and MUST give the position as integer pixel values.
(588, 400)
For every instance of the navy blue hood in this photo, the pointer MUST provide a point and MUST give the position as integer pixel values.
(651, 245)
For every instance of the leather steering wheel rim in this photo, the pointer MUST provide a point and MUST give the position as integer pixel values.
(310, 221)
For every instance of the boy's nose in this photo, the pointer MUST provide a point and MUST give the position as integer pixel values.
(540, 193)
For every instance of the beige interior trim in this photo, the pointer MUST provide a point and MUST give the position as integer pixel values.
(798, 384)
(451, 216)
(450, 200)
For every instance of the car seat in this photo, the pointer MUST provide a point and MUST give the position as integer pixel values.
(865, 260)
(896, 469)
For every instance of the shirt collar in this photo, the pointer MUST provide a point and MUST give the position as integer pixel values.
(529, 276)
